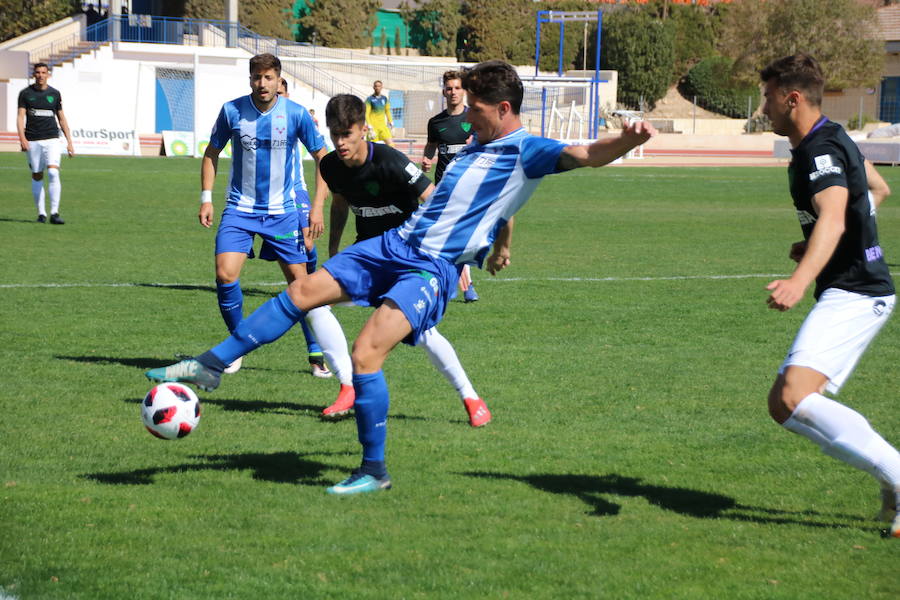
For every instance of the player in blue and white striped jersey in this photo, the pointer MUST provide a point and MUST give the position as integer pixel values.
(314, 352)
(410, 272)
(261, 199)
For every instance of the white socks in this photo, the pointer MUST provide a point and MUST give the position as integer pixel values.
(37, 191)
(846, 435)
(334, 344)
(54, 187)
(444, 359)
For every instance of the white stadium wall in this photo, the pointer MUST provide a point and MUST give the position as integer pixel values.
(113, 88)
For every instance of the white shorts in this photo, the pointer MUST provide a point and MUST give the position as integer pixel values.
(836, 332)
(43, 153)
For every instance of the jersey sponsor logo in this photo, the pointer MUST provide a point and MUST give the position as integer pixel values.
(252, 143)
(450, 148)
(806, 218)
(823, 161)
(824, 166)
(485, 161)
(375, 211)
(874, 253)
(413, 172)
(42, 112)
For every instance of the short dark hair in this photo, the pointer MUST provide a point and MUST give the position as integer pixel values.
(39, 65)
(494, 81)
(451, 75)
(799, 72)
(343, 111)
(264, 62)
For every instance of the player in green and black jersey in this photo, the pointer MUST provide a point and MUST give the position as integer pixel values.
(448, 133)
(835, 192)
(39, 120)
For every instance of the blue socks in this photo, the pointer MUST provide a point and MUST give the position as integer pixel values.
(266, 324)
(371, 408)
(231, 303)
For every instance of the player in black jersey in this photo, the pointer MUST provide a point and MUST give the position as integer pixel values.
(448, 133)
(39, 119)
(382, 188)
(835, 192)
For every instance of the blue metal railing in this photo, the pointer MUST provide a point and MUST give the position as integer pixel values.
(219, 33)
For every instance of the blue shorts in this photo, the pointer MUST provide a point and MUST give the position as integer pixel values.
(280, 233)
(387, 267)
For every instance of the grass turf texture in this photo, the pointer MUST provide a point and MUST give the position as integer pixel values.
(630, 455)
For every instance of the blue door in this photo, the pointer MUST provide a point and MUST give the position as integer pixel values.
(890, 100)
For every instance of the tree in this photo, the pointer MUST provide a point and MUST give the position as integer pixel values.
(267, 18)
(502, 29)
(841, 34)
(20, 17)
(342, 23)
(433, 26)
(695, 34)
(640, 47)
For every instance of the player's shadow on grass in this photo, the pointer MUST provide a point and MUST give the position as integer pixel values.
(252, 406)
(250, 291)
(284, 408)
(8, 220)
(277, 467)
(147, 362)
(139, 362)
(592, 490)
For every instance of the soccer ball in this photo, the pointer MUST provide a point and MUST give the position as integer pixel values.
(170, 411)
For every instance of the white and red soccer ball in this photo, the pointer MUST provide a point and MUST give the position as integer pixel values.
(170, 411)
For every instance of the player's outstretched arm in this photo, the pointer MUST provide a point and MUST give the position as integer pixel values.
(317, 209)
(428, 156)
(20, 128)
(608, 149)
(64, 125)
(425, 194)
(878, 187)
(500, 257)
(831, 204)
(339, 210)
(208, 166)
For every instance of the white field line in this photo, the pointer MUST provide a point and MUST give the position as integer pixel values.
(249, 284)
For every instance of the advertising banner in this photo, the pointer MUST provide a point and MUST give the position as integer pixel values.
(118, 142)
(181, 143)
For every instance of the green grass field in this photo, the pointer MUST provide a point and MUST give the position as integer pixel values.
(626, 355)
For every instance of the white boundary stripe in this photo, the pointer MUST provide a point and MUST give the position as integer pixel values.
(249, 284)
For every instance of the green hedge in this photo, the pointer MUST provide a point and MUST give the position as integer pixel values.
(710, 81)
(640, 48)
